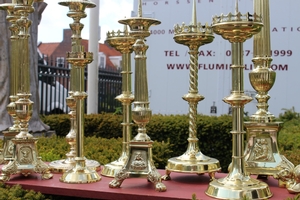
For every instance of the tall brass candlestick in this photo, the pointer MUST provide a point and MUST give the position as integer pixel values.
(262, 154)
(122, 42)
(139, 162)
(237, 184)
(79, 173)
(193, 160)
(25, 156)
(12, 17)
(61, 166)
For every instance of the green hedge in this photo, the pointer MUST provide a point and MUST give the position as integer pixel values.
(213, 132)
(100, 149)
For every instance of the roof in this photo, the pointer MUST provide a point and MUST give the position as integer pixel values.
(59, 49)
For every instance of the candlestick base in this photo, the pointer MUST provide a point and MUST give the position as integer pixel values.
(262, 155)
(8, 146)
(235, 188)
(193, 166)
(80, 173)
(25, 160)
(139, 164)
(111, 169)
(61, 166)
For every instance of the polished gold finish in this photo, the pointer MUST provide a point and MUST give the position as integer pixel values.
(139, 162)
(8, 146)
(78, 58)
(61, 166)
(122, 42)
(12, 17)
(24, 158)
(193, 160)
(237, 184)
(262, 154)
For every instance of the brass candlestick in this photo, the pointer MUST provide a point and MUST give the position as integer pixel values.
(61, 166)
(139, 162)
(122, 42)
(237, 184)
(25, 158)
(78, 58)
(12, 17)
(262, 155)
(193, 160)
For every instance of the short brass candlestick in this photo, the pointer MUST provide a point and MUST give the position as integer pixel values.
(78, 58)
(237, 184)
(25, 156)
(122, 42)
(12, 17)
(193, 160)
(139, 162)
(262, 154)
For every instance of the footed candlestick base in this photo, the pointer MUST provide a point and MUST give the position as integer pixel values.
(193, 166)
(25, 161)
(80, 173)
(139, 164)
(111, 169)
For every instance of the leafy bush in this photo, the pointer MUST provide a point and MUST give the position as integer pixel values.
(17, 193)
(213, 133)
(100, 149)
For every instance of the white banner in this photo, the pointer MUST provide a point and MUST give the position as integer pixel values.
(168, 62)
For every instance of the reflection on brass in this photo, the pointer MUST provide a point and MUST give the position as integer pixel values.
(78, 58)
(193, 160)
(61, 166)
(122, 42)
(12, 17)
(237, 28)
(139, 162)
(24, 158)
(8, 146)
(262, 154)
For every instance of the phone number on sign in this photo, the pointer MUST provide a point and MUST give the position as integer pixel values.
(273, 53)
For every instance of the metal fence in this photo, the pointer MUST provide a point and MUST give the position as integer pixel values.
(54, 87)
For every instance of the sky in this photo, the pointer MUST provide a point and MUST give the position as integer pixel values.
(55, 19)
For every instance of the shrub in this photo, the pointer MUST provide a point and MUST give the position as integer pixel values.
(213, 133)
(17, 193)
(100, 149)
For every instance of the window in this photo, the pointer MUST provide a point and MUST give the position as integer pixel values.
(60, 61)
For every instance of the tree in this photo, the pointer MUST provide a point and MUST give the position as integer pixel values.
(35, 123)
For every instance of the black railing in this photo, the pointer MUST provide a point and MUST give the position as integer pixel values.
(54, 87)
